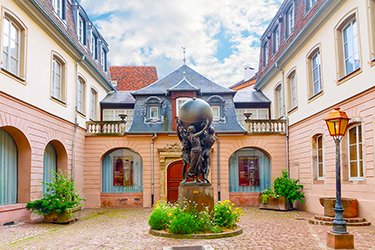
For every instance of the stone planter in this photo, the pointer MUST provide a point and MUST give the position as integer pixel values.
(276, 204)
(69, 215)
(350, 206)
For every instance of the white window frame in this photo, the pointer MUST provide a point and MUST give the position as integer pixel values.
(279, 101)
(154, 110)
(57, 79)
(293, 94)
(93, 101)
(81, 30)
(7, 56)
(265, 53)
(354, 54)
(81, 86)
(290, 21)
(94, 47)
(276, 39)
(310, 4)
(359, 157)
(103, 59)
(317, 151)
(316, 82)
(58, 6)
(216, 112)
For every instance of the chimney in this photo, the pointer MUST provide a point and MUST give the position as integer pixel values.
(249, 72)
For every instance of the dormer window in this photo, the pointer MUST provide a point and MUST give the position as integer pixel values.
(59, 8)
(265, 54)
(276, 39)
(153, 110)
(103, 57)
(217, 106)
(94, 47)
(81, 30)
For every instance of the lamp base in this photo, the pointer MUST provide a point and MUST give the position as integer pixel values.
(340, 241)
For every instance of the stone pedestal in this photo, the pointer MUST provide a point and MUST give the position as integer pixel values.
(340, 241)
(200, 193)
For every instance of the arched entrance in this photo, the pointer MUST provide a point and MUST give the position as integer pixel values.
(174, 177)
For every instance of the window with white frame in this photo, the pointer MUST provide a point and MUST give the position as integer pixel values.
(292, 90)
(372, 28)
(58, 7)
(256, 114)
(349, 39)
(94, 47)
(93, 101)
(310, 4)
(13, 46)
(179, 102)
(153, 105)
(314, 73)
(114, 115)
(276, 39)
(317, 156)
(289, 21)
(216, 112)
(355, 157)
(265, 54)
(279, 104)
(154, 112)
(103, 57)
(81, 86)
(58, 78)
(81, 30)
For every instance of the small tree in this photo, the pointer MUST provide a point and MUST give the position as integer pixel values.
(288, 188)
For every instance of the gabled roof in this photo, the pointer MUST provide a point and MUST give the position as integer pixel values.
(250, 96)
(119, 97)
(205, 85)
(133, 77)
(184, 85)
(243, 84)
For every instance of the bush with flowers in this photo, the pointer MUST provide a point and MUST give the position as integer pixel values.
(186, 219)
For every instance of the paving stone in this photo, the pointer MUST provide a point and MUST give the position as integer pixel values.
(128, 229)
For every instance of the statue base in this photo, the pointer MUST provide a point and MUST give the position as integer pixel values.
(200, 193)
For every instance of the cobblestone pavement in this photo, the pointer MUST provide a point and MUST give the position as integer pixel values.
(128, 229)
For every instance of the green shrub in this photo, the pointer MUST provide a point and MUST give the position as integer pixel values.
(162, 215)
(183, 223)
(60, 196)
(204, 221)
(288, 188)
(225, 215)
(266, 194)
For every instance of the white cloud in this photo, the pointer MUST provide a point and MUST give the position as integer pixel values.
(150, 32)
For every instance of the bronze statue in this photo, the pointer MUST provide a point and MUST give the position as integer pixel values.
(197, 137)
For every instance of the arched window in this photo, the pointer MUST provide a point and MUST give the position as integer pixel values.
(249, 171)
(217, 105)
(317, 156)
(122, 172)
(153, 109)
(8, 169)
(13, 50)
(81, 97)
(49, 165)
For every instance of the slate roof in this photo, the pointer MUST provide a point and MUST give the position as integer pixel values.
(250, 96)
(133, 77)
(205, 85)
(184, 85)
(124, 97)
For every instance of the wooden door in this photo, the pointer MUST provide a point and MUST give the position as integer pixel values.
(174, 177)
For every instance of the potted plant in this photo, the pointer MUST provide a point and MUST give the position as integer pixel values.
(284, 193)
(61, 203)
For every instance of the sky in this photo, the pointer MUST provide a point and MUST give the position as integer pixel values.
(221, 37)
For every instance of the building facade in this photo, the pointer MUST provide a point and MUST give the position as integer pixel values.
(53, 75)
(316, 55)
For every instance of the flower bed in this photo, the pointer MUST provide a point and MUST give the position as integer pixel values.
(185, 219)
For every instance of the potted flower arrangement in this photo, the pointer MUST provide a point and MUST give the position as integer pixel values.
(61, 203)
(284, 193)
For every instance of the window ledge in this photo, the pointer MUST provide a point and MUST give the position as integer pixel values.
(292, 110)
(359, 180)
(14, 76)
(83, 115)
(319, 181)
(349, 76)
(61, 102)
(316, 96)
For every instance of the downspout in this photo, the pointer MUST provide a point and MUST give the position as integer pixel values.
(75, 119)
(218, 169)
(152, 167)
(286, 118)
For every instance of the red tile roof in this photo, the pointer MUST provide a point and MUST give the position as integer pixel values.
(133, 77)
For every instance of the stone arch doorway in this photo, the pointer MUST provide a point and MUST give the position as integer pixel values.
(174, 177)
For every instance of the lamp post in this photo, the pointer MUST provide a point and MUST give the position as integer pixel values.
(337, 123)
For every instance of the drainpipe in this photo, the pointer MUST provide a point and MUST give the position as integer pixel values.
(152, 168)
(218, 169)
(286, 117)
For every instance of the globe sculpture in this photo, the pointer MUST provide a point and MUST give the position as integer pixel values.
(197, 137)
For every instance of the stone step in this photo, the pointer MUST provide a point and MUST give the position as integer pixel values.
(329, 223)
(327, 218)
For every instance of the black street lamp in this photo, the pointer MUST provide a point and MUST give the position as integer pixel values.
(337, 122)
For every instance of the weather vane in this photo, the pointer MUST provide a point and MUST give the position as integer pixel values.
(184, 51)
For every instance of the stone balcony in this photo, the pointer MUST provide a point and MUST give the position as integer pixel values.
(120, 127)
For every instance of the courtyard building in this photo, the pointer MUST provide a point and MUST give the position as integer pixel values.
(324, 57)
